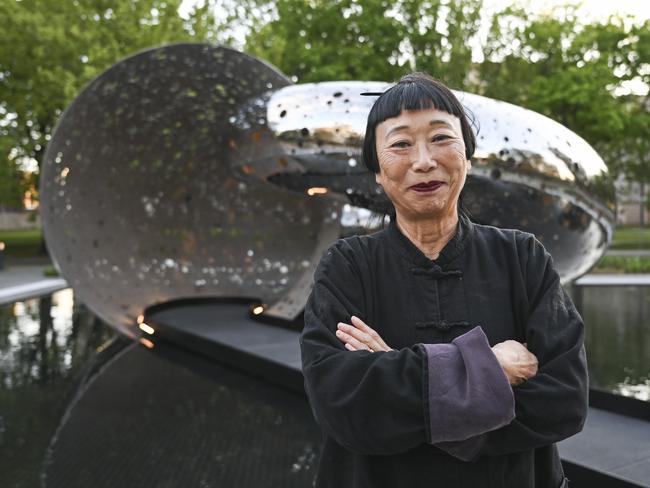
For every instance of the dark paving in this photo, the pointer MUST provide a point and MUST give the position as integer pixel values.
(166, 418)
(236, 329)
(609, 443)
(612, 443)
(225, 332)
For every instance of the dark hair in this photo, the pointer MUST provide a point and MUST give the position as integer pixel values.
(415, 91)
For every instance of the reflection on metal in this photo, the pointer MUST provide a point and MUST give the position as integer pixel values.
(146, 343)
(195, 170)
(528, 172)
(146, 328)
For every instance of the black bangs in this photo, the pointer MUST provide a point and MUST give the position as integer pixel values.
(410, 96)
(415, 91)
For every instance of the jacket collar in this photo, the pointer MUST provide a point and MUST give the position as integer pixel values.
(449, 253)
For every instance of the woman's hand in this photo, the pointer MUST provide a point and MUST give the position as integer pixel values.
(359, 337)
(518, 363)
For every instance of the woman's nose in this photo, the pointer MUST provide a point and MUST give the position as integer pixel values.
(424, 159)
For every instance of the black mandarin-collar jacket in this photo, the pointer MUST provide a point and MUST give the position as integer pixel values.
(382, 414)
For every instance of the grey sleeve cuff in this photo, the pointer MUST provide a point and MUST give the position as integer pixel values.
(467, 450)
(466, 393)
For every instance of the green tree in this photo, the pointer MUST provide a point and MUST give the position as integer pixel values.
(572, 72)
(368, 39)
(13, 182)
(553, 63)
(51, 49)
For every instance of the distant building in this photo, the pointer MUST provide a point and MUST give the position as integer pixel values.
(11, 219)
(631, 199)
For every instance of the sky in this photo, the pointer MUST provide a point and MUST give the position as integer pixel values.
(591, 9)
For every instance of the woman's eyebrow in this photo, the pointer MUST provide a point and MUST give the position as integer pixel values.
(432, 123)
(396, 129)
(441, 122)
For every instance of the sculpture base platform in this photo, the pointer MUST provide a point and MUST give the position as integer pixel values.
(612, 451)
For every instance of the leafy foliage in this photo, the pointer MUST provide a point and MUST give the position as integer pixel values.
(22, 242)
(630, 237)
(623, 264)
(553, 63)
(368, 39)
(51, 49)
(572, 72)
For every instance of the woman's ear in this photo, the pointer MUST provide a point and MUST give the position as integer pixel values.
(378, 178)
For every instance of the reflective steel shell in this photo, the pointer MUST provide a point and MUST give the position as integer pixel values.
(194, 170)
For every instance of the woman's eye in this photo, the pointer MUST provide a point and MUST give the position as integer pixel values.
(440, 137)
(400, 144)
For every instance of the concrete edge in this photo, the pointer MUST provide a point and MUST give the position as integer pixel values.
(31, 290)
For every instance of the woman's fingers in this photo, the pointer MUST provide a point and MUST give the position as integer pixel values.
(357, 322)
(360, 336)
(368, 333)
(355, 336)
(372, 333)
(349, 340)
(518, 363)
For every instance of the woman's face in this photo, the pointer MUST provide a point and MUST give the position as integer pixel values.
(422, 163)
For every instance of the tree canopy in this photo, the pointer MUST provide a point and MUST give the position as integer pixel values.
(51, 49)
(555, 63)
(369, 39)
(575, 73)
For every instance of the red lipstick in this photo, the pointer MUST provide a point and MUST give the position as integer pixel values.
(429, 186)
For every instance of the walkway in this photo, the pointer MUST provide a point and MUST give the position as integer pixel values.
(606, 279)
(22, 282)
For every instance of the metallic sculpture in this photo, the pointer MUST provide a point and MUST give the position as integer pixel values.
(196, 170)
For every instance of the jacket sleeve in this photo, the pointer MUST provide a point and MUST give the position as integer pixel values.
(389, 402)
(552, 405)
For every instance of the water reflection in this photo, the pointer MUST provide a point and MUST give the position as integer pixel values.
(45, 346)
(80, 407)
(618, 337)
(168, 418)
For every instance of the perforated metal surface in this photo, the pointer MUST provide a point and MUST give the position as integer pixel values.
(193, 170)
(528, 171)
(141, 200)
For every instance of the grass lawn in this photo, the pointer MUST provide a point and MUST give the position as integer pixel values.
(623, 264)
(631, 238)
(22, 242)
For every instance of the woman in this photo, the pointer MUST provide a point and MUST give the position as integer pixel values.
(439, 352)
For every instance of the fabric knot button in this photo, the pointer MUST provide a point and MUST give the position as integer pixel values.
(443, 325)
